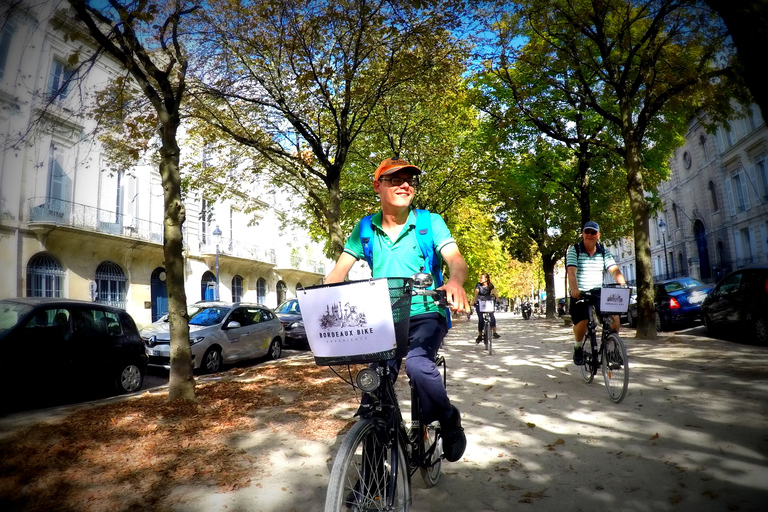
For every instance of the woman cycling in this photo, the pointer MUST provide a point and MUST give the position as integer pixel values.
(484, 290)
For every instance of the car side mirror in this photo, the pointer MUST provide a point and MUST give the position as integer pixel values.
(233, 324)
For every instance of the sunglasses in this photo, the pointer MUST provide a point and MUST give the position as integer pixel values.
(590, 232)
(396, 182)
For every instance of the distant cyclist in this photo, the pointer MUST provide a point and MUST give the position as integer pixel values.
(396, 253)
(586, 262)
(484, 290)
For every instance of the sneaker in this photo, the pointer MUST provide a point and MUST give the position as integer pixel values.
(454, 440)
(578, 356)
(496, 335)
(478, 339)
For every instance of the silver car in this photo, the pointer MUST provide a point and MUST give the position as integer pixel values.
(220, 333)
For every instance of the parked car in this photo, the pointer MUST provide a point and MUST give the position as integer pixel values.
(739, 300)
(289, 313)
(220, 333)
(677, 301)
(626, 317)
(52, 345)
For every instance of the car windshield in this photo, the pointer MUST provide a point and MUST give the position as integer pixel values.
(291, 306)
(10, 313)
(209, 316)
(683, 284)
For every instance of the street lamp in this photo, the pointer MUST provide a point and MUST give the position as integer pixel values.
(217, 239)
(663, 229)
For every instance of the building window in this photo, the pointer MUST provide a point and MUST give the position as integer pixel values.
(110, 284)
(713, 196)
(205, 221)
(703, 142)
(762, 172)
(237, 289)
(261, 291)
(281, 290)
(5, 47)
(746, 245)
(58, 183)
(44, 276)
(740, 187)
(676, 216)
(60, 82)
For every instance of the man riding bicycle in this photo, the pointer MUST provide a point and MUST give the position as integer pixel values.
(396, 253)
(586, 262)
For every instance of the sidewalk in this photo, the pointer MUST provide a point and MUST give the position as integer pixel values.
(691, 435)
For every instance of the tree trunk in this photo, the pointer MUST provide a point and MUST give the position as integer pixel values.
(646, 317)
(333, 215)
(548, 263)
(181, 383)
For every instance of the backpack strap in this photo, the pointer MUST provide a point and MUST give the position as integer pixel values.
(366, 238)
(426, 243)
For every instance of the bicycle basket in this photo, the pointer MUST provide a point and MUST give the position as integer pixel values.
(614, 300)
(357, 321)
(486, 306)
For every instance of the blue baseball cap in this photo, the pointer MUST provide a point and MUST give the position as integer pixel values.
(591, 225)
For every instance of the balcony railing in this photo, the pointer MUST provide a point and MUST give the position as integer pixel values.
(48, 210)
(230, 247)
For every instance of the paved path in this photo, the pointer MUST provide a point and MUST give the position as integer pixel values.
(691, 435)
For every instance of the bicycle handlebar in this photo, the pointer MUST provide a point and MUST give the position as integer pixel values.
(439, 296)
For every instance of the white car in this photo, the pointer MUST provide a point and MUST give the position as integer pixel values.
(219, 333)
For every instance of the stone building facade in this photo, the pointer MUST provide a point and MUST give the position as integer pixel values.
(715, 205)
(71, 226)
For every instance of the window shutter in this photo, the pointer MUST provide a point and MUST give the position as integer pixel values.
(737, 245)
(753, 181)
(752, 245)
(745, 191)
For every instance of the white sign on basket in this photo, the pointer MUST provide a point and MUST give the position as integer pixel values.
(486, 306)
(348, 320)
(614, 300)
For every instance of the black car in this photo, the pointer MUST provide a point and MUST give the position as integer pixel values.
(51, 346)
(739, 300)
(677, 301)
(289, 313)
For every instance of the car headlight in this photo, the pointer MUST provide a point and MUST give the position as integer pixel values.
(193, 341)
(294, 325)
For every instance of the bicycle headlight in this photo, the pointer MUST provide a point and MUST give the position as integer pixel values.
(367, 380)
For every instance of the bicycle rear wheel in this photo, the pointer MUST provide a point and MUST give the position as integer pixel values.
(361, 476)
(615, 367)
(430, 440)
(587, 372)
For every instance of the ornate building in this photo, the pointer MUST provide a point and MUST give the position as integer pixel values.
(715, 214)
(71, 226)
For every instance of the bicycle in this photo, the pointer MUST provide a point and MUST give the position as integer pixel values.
(486, 307)
(373, 467)
(611, 354)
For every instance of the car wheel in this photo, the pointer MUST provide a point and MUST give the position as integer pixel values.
(129, 378)
(275, 349)
(211, 362)
(631, 320)
(711, 329)
(761, 330)
(660, 324)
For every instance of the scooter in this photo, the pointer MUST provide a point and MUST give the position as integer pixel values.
(526, 310)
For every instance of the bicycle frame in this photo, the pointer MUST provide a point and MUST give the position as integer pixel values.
(597, 350)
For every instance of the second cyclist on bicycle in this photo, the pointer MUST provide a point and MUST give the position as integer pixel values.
(484, 290)
(391, 241)
(586, 262)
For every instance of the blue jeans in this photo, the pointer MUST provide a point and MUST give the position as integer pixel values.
(481, 320)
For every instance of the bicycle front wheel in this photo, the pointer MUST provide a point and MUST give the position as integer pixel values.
(589, 355)
(362, 473)
(487, 334)
(615, 367)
